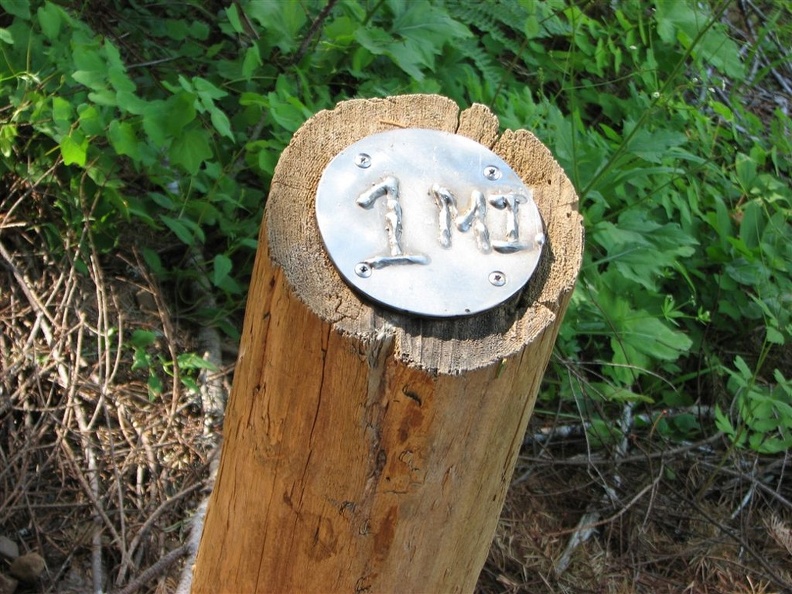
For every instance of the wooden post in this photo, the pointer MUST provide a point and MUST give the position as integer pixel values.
(368, 450)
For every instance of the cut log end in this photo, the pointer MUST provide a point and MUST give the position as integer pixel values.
(445, 346)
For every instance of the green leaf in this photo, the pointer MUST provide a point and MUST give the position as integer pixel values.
(221, 123)
(724, 424)
(93, 79)
(8, 134)
(103, 97)
(123, 139)
(232, 13)
(190, 150)
(91, 120)
(6, 36)
(62, 112)
(206, 90)
(251, 62)
(774, 336)
(154, 385)
(143, 338)
(281, 21)
(17, 8)
(50, 18)
(155, 121)
(222, 266)
(193, 361)
(752, 225)
(532, 28)
(119, 79)
(74, 149)
(746, 169)
(426, 29)
(653, 146)
(153, 260)
(185, 229)
(178, 110)
(132, 103)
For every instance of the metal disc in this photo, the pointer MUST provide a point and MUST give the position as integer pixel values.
(428, 222)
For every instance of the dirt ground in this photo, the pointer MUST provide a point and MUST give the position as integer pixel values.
(99, 474)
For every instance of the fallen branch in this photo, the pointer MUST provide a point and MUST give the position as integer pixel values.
(155, 570)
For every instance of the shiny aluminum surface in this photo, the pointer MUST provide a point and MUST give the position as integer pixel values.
(428, 222)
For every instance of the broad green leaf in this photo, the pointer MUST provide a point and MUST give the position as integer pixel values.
(154, 386)
(124, 139)
(425, 29)
(6, 36)
(155, 119)
(190, 150)
(62, 112)
(17, 8)
(143, 338)
(91, 120)
(251, 62)
(74, 149)
(199, 30)
(93, 79)
(8, 134)
(153, 260)
(653, 146)
(50, 19)
(188, 231)
(221, 268)
(132, 103)
(281, 21)
(88, 58)
(532, 28)
(746, 169)
(179, 110)
(287, 113)
(207, 90)
(119, 79)
(764, 444)
(221, 123)
(752, 225)
(374, 39)
(193, 361)
(103, 96)
(722, 110)
(232, 13)
(774, 336)
(163, 200)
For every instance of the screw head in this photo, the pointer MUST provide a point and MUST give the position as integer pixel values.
(492, 173)
(363, 270)
(540, 239)
(363, 160)
(497, 278)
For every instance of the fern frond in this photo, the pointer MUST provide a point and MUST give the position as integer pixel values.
(503, 21)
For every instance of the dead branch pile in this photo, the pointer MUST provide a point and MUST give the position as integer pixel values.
(645, 516)
(98, 474)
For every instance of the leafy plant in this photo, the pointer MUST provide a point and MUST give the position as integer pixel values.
(762, 419)
(169, 118)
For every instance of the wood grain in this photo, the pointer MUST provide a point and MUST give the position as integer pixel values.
(365, 450)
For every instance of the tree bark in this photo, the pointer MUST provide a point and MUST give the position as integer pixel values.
(367, 450)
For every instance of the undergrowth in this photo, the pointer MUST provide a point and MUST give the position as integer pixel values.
(671, 119)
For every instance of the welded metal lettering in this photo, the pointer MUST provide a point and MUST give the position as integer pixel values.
(428, 222)
(510, 203)
(388, 188)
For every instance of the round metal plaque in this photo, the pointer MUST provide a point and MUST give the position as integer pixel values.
(428, 222)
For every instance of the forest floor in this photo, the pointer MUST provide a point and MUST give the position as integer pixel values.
(105, 454)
